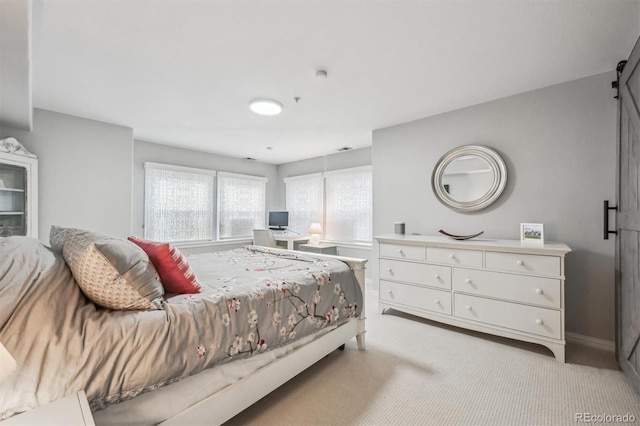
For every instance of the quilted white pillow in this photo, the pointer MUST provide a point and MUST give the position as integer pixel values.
(113, 272)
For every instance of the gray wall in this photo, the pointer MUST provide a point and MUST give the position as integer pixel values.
(146, 151)
(15, 66)
(559, 144)
(92, 176)
(85, 172)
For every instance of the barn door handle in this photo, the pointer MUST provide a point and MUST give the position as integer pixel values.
(606, 219)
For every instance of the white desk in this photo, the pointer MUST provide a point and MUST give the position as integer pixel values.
(290, 239)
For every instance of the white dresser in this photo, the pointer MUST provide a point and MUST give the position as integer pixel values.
(500, 287)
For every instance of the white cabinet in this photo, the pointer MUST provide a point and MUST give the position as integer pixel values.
(500, 287)
(18, 195)
(323, 248)
(72, 410)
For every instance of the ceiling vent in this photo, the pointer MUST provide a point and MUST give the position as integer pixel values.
(344, 148)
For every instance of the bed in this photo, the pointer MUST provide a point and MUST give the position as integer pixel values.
(261, 317)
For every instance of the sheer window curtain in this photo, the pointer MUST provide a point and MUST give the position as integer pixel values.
(304, 198)
(179, 203)
(348, 205)
(241, 204)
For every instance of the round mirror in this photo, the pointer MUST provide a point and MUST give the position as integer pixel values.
(469, 178)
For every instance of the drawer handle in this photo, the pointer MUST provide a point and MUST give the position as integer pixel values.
(389, 291)
(436, 276)
(390, 271)
(539, 291)
(452, 256)
(467, 280)
(437, 301)
(400, 252)
(468, 307)
(519, 262)
(539, 321)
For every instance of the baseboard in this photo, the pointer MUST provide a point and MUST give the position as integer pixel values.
(592, 342)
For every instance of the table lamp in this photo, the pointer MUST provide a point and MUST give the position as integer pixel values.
(315, 230)
(7, 363)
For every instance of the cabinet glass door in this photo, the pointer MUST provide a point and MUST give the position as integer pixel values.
(13, 200)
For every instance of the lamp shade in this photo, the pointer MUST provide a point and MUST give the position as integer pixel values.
(7, 363)
(315, 228)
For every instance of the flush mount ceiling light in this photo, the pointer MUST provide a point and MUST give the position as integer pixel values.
(265, 106)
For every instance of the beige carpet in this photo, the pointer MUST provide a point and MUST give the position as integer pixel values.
(416, 372)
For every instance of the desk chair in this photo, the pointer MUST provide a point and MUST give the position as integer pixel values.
(264, 237)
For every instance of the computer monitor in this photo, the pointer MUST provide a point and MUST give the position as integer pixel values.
(278, 220)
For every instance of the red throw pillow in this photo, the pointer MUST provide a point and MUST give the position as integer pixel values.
(174, 270)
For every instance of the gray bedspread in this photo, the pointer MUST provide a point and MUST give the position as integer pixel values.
(252, 300)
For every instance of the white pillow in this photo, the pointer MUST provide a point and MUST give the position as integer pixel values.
(113, 272)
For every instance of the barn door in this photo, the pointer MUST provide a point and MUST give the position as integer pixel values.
(628, 221)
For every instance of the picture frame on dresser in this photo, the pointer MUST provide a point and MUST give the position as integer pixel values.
(532, 233)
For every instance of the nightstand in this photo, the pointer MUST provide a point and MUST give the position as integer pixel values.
(319, 248)
(70, 411)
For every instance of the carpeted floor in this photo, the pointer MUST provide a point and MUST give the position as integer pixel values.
(416, 372)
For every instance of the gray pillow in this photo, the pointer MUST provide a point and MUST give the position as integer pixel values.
(58, 235)
(113, 272)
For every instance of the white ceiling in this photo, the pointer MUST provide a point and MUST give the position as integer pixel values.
(183, 72)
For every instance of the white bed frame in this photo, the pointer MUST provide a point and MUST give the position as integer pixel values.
(226, 403)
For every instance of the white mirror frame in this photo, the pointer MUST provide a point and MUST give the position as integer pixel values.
(498, 185)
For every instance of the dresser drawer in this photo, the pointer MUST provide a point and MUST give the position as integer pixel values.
(423, 298)
(530, 319)
(399, 251)
(519, 288)
(415, 273)
(524, 263)
(458, 257)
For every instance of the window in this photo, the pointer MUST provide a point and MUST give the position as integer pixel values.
(348, 205)
(241, 204)
(341, 200)
(179, 203)
(304, 197)
(182, 204)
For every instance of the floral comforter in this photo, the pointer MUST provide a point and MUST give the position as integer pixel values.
(252, 299)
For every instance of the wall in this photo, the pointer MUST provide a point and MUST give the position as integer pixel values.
(92, 176)
(85, 172)
(146, 151)
(15, 66)
(341, 160)
(559, 145)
